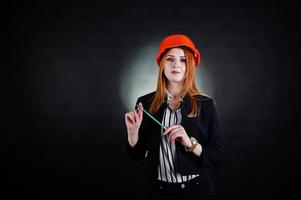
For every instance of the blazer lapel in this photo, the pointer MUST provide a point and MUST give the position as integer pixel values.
(185, 110)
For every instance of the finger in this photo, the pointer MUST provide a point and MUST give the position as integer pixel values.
(131, 114)
(169, 137)
(175, 134)
(139, 106)
(169, 129)
(128, 118)
(137, 116)
(134, 116)
(172, 128)
(140, 111)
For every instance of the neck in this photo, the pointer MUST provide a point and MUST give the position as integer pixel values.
(174, 89)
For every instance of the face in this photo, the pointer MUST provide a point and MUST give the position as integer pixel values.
(175, 65)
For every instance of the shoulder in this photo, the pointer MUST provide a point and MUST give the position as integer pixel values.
(206, 102)
(147, 98)
(203, 98)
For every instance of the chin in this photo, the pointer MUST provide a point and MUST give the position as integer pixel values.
(176, 80)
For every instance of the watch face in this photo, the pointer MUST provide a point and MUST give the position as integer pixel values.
(193, 140)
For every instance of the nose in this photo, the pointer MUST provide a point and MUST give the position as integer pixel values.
(176, 63)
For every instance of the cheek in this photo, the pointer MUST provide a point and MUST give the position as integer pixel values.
(165, 72)
(166, 69)
(184, 69)
(166, 66)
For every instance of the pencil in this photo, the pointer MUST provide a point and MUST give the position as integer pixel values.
(140, 107)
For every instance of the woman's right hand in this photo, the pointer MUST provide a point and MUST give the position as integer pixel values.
(133, 121)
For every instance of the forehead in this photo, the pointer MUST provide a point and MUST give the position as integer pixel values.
(176, 52)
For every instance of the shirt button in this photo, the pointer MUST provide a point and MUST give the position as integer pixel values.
(182, 185)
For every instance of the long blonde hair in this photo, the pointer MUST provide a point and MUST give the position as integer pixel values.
(189, 87)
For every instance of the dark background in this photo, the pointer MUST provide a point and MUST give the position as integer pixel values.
(65, 126)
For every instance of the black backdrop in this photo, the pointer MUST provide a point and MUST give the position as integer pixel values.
(66, 133)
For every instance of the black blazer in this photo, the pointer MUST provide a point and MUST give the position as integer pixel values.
(205, 128)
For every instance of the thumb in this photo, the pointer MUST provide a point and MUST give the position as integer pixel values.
(140, 111)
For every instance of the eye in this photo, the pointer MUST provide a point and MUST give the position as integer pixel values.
(183, 60)
(170, 59)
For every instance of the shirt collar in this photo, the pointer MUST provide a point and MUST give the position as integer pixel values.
(169, 96)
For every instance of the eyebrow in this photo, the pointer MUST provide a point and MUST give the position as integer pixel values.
(173, 56)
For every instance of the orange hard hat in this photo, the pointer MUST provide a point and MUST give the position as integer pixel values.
(178, 40)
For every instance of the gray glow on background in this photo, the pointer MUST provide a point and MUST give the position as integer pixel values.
(140, 73)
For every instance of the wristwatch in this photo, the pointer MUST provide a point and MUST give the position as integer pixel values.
(194, 144)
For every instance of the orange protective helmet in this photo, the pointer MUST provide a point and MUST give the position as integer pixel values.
(178, 40)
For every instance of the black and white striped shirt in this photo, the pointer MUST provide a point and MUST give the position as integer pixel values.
(168, 168)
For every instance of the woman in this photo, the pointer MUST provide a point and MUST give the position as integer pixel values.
(179, 154)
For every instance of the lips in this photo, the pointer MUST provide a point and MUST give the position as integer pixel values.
(175, 72)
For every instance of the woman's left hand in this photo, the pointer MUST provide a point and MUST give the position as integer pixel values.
(177, 132)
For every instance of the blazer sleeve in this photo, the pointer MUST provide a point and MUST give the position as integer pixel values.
(137, 152)
(212, 153)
